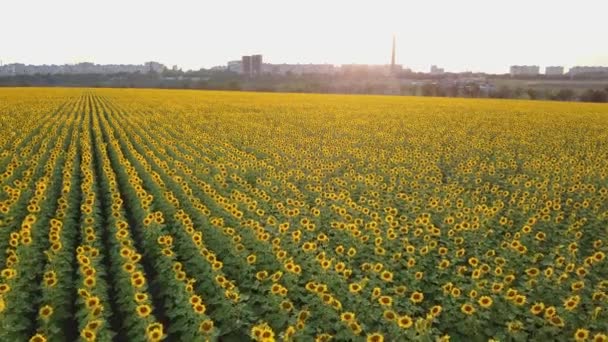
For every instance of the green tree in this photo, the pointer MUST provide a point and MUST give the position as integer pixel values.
(564, 95)
(532, 93)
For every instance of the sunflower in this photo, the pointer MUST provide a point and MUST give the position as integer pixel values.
(286, 305)
(88, 335)
(375, 337)
(511, 293)
(417, 297)
(385, 300)
(92, 302)
(389, 315)
(94, 324)
(199, 308)
(581, 335)
(276, 276)
(514, 326)
(598, 296)
(323, 337)
(49, 282)
(485, 301)
(347, 317)
(599, 337)
(143, 310)
(400, 290)
(137, 282)
(354, 288)
(557, 321)
(89, 281)
(467, 309)
(261, 275)
(129, 267)
(45, 312)
(436, 310)
(386, 276)
(532, 272)
(195, 299)
(8, 273)
(519, 300)
(445, 263)
(155, 335)
(473, 261)
(537, 308)
(572, 302)
(577, 285)
(581, 271)
(38, 338)
(405, 322)
(83, 293)
(267, 334)
(540, 236)
(256, 332)
(550, 312)
(355, 327)
(206, 326)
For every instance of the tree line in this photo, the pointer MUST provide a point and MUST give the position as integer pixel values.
(346, 84)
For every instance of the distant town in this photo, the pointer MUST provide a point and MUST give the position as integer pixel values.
(251, 73)
(254, 66)
(16, 69)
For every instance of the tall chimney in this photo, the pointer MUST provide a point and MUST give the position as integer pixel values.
(393, 55)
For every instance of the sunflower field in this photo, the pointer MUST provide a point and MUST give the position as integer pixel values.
(150, 215)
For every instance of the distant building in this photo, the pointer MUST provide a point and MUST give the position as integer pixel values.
(378, 69)
(235, 66)
(80, 68)
(588, 70)
(155, 67)
(246, 65)
(436, 71)
(554, 70)
(256, 64)
(251, 65)
(525, 70)
(298, 69)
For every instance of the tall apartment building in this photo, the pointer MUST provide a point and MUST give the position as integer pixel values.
(256, 64)
(246, 65)
(251, 65)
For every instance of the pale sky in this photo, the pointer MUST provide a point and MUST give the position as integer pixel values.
(475, 35)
